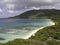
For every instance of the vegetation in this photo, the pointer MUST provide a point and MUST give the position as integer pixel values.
(46, 36)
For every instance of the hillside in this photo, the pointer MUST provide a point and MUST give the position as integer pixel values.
(46, 36)
(37, 14)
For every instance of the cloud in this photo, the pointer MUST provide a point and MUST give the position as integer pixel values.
(41, 1)
(10, 6)
(11, 11)
(14, 7)
(1, 10)
(22, 4)
(36, 8)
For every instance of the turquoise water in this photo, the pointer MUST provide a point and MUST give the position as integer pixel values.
(11, 29)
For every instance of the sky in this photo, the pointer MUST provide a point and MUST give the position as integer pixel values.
(10, 8)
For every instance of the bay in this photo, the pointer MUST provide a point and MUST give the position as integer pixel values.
(11, 29)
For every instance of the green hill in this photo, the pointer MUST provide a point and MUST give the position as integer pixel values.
(43, 13)
(46, 36)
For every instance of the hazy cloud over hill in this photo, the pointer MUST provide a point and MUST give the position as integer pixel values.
(14, 7)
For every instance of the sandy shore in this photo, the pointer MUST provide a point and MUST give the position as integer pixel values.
(34, 31)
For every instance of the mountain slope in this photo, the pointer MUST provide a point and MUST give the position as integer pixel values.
(33, 14)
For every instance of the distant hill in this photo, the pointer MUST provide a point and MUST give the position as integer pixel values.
(43, 13)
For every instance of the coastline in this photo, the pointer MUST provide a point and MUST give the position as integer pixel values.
(34, 31)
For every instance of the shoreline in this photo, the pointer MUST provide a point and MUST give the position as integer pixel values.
(34, 31)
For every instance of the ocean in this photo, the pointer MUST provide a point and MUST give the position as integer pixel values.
(11, 29)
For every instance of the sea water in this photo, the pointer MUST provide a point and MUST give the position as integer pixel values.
(11, 29)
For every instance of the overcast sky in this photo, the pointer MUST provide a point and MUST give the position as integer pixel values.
(9, 8)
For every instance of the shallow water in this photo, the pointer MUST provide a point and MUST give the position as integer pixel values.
(11, 29)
